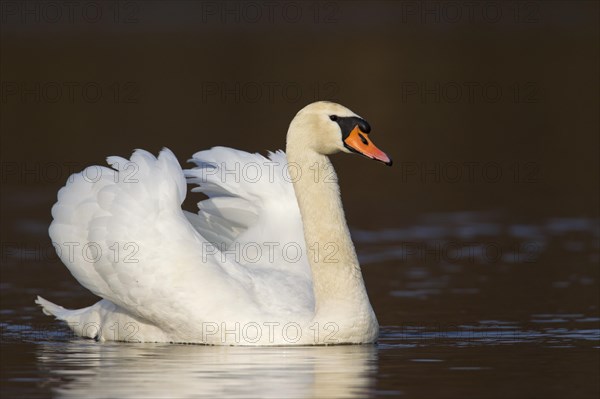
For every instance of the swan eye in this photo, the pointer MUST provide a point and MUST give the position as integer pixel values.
(333, 117)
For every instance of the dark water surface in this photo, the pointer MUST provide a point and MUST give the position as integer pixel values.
(470, 307)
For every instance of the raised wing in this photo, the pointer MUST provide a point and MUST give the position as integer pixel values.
(123, 235)
(253, 207)
(251, 201)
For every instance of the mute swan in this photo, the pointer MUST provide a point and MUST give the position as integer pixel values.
(267, 260)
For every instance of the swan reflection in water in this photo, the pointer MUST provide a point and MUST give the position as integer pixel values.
(94, 370)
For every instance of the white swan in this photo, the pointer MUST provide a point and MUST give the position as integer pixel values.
(268, 259)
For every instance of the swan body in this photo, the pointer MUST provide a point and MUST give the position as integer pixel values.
(267, 260)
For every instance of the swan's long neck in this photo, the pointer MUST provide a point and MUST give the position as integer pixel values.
(338, 284)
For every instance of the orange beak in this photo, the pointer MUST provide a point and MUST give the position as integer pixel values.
(359, 142)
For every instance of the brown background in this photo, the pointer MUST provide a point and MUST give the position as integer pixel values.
(162, 58)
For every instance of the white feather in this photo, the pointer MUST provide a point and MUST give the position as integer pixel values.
(165, 271)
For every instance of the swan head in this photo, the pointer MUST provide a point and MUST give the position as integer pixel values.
(328, 128)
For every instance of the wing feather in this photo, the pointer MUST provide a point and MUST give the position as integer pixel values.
(258, 211)
(125, 238)
(123, 235)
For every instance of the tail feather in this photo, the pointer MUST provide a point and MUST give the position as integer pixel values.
(51, 309)
(89, 314)
(84, 322)
(104, 321)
